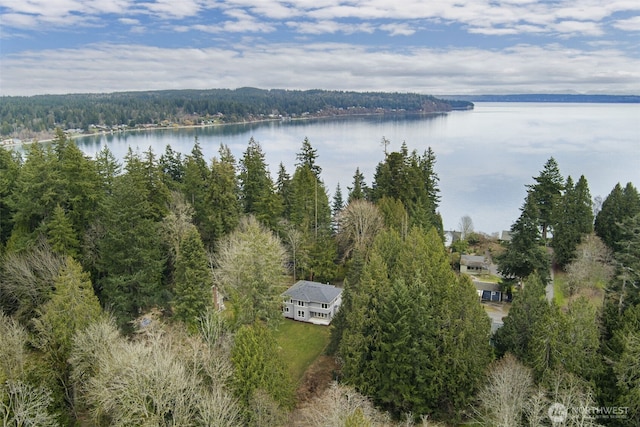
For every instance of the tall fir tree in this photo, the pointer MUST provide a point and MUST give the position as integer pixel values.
(411, 178)
(61, 235)
(574, 220)
(132, 260)
(529, 306)
(546, 193)
(195, 186)
(283, 188)
(524, 254)
(222, 199)
(257, 190)
(338, 201)
(193, 280)
(258, 367)
(359, 188)
(620, 204)
(430, 362)
(10, 166)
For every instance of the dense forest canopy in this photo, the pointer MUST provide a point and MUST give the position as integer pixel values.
(108, 271)
(23, 116)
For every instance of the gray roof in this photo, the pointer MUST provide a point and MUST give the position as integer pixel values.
(307, 291)
(486, 286)
(473, 260)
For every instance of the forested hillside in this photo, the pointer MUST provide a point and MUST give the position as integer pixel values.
(26, 117)
(108, 271)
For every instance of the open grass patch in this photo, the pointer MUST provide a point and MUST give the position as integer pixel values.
(301, 344)
(559, 289)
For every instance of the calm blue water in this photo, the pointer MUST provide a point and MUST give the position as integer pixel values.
(485, 157)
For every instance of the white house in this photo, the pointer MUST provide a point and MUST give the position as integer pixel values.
(311, 302)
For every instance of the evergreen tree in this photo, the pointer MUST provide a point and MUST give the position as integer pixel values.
(222, 198)
(359, 189)
(283, 188)
(307, 157)
(193, 281)
(524, 254)
(428, 362)
(195, 187)
(72, 308)
(172, 167)
(80, 185)
(37, 192)
(574, 220)
(9, 169)
(258, 366)
(60, 234)
(529, 306)
(257, 190)
(108, 168)
(412, 179)
(131, 258)
(619, 205)
(338, 201)
(546, 193)
(394, 214)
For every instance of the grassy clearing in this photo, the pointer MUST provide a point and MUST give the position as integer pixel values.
(559, 287)
(301, 344)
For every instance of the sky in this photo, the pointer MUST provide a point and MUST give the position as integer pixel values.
(426, 46)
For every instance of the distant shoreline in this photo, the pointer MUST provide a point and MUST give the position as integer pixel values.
(74, 136)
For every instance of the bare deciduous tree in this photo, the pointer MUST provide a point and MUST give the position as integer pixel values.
(28, 278)
(336, 405)
(504, 397)
(359, 223)
(26, 405)
(155, 380)
(466, 227)
(13, 339)
(593, 265)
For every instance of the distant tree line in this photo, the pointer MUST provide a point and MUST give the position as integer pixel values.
(41, 113)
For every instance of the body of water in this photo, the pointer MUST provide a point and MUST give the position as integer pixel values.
(485, 157)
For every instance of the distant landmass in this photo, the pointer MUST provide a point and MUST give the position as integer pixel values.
(36, 117)
(544, 97)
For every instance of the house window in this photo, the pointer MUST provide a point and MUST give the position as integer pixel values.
(325, 305)
(301, 303)
(300, 313)
(286, 309)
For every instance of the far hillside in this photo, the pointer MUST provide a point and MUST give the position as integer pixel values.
(35, 116)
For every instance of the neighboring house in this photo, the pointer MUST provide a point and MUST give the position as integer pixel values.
(450, 237)
(311, 302)
(505, 236)
(473, 264)
(488, 291)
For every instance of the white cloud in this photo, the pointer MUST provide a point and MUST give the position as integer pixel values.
(129, 21)
(398, 29)
(330, 27)
(631, 24)
(111, 67)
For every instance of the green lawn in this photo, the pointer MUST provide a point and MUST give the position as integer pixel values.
(559, 286)
(301, 344)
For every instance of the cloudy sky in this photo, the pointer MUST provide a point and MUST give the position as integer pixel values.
(425, 46)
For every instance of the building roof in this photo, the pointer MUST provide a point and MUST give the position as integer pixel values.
(486, 286)
(307, 291)
(473, 260)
